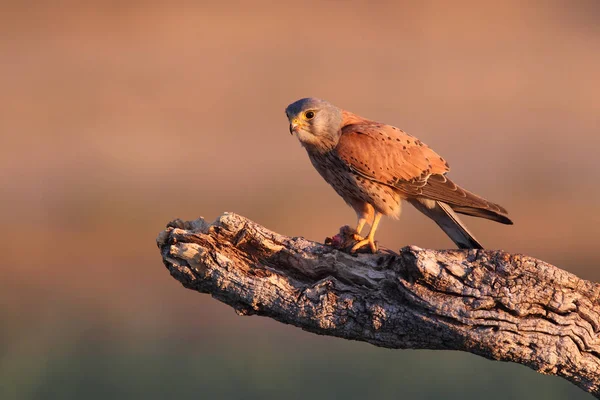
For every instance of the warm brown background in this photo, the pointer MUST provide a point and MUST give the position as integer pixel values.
(116, 117)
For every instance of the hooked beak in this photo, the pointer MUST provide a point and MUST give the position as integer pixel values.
(296, 125)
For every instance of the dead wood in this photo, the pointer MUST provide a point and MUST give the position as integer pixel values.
(507, 307)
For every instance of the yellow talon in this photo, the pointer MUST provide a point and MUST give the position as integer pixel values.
(370, 240)
(356, 237)
(364, 242)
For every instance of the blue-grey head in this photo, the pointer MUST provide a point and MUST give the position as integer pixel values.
(316, 123)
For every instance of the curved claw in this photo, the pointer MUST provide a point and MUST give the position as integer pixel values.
(364, 242)
(356, 237)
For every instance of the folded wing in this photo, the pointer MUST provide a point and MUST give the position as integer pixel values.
(391, 156)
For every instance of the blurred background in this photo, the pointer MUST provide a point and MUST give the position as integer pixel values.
(117, 117)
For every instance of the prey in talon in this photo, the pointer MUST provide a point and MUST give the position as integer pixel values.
(374, 167)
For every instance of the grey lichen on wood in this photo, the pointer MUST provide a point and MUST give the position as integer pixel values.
(501, 306)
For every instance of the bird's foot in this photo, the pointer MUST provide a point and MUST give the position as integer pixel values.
(368, 241)
(356, 237)
(348, 240)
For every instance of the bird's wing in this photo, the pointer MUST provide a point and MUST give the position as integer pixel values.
(388, 155)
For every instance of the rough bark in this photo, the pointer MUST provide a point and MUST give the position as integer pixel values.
(501, 306)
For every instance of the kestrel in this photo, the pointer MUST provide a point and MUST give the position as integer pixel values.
(374, 166)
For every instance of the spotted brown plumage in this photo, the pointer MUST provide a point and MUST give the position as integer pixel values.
(390, 156)
(374, 166)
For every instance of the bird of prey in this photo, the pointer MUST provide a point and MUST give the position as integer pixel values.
(374, 166)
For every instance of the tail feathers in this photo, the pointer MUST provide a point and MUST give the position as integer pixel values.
(442, 189)
(443, 215)
(482, 213)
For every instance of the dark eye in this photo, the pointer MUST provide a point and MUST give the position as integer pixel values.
(309, 114)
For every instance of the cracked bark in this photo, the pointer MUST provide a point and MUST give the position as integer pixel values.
(501, 306)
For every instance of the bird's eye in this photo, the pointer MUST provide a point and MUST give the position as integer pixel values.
(309, 114)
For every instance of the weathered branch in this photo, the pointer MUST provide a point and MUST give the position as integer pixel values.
(501, 306)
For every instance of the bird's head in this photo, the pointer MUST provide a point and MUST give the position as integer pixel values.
(316, 123)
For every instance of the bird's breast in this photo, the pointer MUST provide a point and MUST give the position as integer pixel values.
(352, 186)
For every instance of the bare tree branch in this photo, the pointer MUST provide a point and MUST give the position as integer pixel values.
(501, 306)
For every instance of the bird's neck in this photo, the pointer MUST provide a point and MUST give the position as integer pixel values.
(319, 144)
(320, 147)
